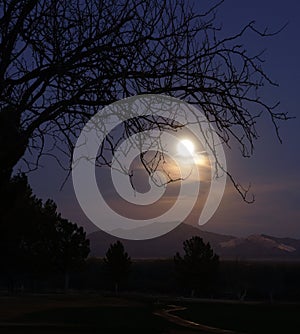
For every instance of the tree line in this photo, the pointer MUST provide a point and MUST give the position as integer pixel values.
(34, 238)
(37, 241)
(42, 251)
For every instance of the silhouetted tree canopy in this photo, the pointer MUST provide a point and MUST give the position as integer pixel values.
(198, 267)
(117, 263)
(34, 238)
(62, 60)
(72, 247)
(25, 234)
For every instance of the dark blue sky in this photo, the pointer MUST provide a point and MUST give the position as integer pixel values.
(274, 169)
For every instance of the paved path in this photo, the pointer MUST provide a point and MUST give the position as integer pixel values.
(192, 326)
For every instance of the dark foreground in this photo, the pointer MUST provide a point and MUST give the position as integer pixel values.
(61, 314)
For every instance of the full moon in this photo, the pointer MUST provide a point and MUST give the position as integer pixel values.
(186, 148)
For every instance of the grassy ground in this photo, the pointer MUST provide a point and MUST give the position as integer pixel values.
(245, 317)
(60, 314)
(76, 314)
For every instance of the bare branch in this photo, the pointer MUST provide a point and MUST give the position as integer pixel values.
(63, 60)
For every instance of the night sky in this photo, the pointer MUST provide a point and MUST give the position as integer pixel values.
(274, 168)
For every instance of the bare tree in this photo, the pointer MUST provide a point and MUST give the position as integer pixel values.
(60, 61)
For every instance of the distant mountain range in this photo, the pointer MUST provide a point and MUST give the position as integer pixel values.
(226, 246)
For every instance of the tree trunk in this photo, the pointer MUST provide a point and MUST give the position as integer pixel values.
(10, 155)
(13, 144)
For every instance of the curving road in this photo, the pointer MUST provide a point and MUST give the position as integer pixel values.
(189, 327)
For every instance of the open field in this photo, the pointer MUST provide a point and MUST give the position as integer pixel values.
(85, 313)
(76, 314)
(245, 317)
